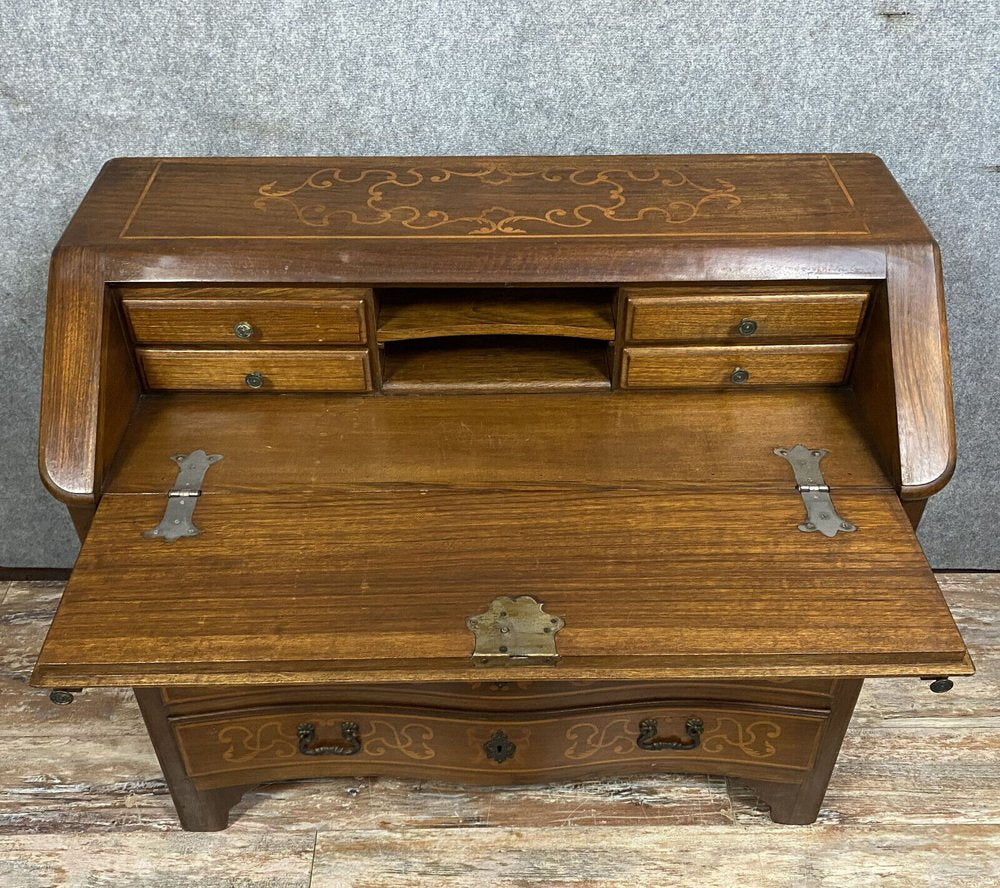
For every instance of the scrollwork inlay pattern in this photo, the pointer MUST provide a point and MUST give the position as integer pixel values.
(425, 199)
(618, 737)
(411, 740)
(588, 739)
(276, 740)
(752, 739)
(245, 744)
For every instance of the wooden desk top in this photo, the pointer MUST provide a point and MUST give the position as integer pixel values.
(362, 531)
(376, 585)
(564, 218)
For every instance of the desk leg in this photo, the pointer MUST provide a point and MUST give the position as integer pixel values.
(800, 802)
(199, 810)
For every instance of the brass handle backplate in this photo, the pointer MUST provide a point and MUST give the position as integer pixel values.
(308, 746)
(648, 740)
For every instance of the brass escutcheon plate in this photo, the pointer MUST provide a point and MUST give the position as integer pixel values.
(514, 630)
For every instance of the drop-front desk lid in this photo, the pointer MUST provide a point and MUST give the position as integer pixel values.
(663, 542)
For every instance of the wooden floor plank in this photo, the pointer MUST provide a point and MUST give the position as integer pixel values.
(244, 858)
(651, 857)
(914, 801)
(973, 599)
(381, 803)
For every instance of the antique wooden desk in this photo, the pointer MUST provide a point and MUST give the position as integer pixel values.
(497, 470)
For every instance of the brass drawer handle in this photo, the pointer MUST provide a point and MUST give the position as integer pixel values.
(739, 376)
(244, 330)
(648, 739)
(747, 327)
(254, 379)
(308, 746)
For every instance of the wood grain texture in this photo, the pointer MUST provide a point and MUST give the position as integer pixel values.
(119, 392)
(652, 857)
(873, 383)
(296, 370)
(495, 364)
(70, 409)
(411, 565)
(696, 366)
(925, 414)
(809, 311)
(568, 198)
(912, 803)
(278, 316)
(633, 439)
(419, 313)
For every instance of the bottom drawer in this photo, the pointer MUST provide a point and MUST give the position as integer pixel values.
(249, 370)
(498, 748)
(710, 366)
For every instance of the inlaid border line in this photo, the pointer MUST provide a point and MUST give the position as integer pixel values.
(138, 203)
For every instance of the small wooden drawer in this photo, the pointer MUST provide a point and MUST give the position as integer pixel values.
(735, 367)
(653, 315)
(250, 317)
(284, 370)
(495, 747)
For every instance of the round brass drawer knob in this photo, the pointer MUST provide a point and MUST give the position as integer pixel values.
(739, 376)
(747, 327)
(254, 380)
(243, 330)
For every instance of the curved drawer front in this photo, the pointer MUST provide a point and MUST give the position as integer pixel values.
(496, 747)
(501, 696)
(249, 370)
(736, 366)
(242, 322)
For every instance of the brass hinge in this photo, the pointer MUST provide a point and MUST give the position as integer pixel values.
(514, 631)
(178, 518)
(820, 512)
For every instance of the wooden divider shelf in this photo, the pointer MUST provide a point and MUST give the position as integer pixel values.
(582, 312)
(495, 363)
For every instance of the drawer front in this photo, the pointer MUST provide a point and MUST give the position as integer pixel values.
(735, 367)
(246, 322)
(495, 747)
(504, 696)
(286, 370)
(741, 316)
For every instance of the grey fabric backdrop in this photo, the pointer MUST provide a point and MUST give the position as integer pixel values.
(916, 82)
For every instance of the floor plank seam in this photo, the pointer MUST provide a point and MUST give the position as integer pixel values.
(312, 859)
